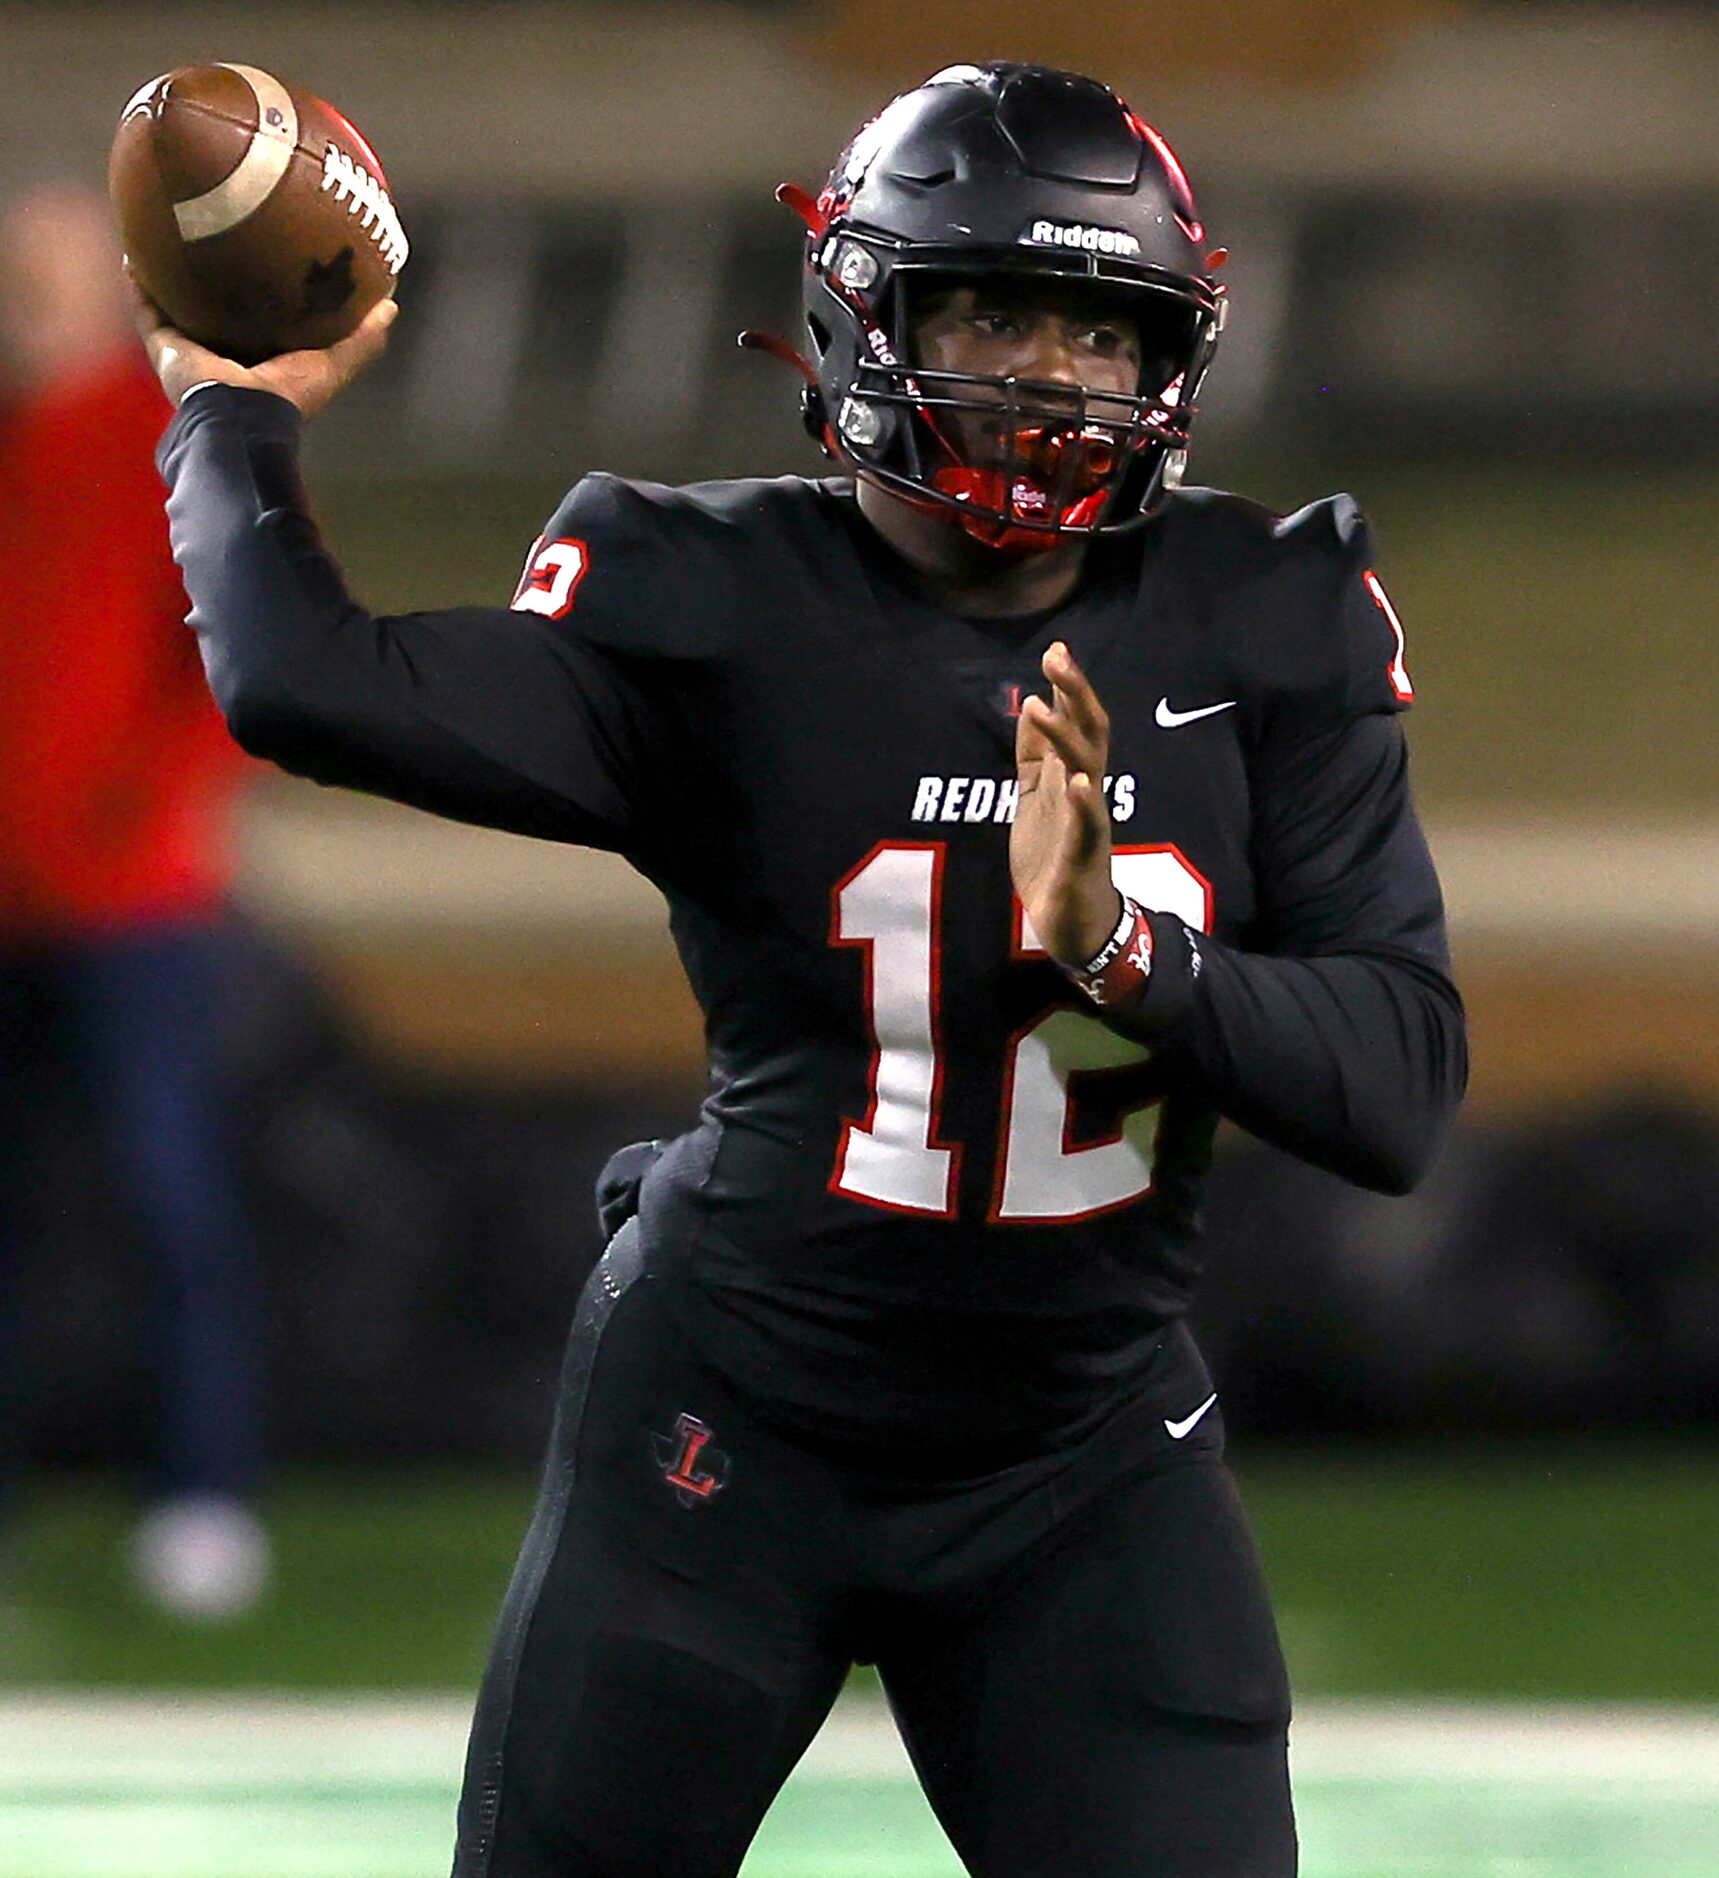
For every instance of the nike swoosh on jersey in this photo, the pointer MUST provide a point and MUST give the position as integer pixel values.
(1178, 1430)
(1166, 719)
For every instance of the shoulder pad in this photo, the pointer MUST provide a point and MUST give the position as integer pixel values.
(646, 567)
(1292, 601)
(1339, 516)
(688, 509)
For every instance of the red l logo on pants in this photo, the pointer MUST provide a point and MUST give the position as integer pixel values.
(689, 1463)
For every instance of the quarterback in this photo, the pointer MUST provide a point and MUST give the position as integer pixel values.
(1021, 813)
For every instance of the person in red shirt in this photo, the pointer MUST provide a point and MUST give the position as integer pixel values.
(116, 779)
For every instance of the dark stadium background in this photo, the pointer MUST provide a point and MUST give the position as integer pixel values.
(1476, 256)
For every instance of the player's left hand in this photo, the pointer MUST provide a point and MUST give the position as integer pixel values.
(308, 379)
(1059, 847)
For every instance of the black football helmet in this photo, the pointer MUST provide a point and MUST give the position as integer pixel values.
(1020, 170)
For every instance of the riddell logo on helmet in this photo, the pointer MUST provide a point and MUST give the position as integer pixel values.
(1079, 235)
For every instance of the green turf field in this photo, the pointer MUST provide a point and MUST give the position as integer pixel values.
(1577, 1570)
(222, 1789)
(1577, 1573)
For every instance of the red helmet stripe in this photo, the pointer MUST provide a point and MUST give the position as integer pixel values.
(1186, 213)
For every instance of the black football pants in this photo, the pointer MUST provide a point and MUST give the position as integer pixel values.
(1078, 1649)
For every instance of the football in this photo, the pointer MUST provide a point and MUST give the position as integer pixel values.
(252, 213)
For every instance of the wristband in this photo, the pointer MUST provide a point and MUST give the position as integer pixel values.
(1118, 973)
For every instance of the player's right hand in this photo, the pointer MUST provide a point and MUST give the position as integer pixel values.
(309, 380)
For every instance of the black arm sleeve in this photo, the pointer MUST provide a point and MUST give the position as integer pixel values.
(1341, 1039)
(478, 713)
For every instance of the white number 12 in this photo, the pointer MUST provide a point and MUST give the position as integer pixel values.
(891, 904)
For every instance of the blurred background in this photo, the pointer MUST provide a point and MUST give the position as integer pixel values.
(1475, 262)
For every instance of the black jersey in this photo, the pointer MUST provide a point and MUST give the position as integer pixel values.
(931, 1196)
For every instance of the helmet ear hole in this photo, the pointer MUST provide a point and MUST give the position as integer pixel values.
(813, 416)
(820, 333)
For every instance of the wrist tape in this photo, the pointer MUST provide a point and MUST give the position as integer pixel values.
(1118, 973)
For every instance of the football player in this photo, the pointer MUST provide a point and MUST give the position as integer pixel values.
(1020, 814)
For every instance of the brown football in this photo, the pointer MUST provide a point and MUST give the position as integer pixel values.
(252, 213)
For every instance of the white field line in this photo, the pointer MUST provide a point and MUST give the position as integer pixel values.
(1506, 1741)
(168, 1744)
